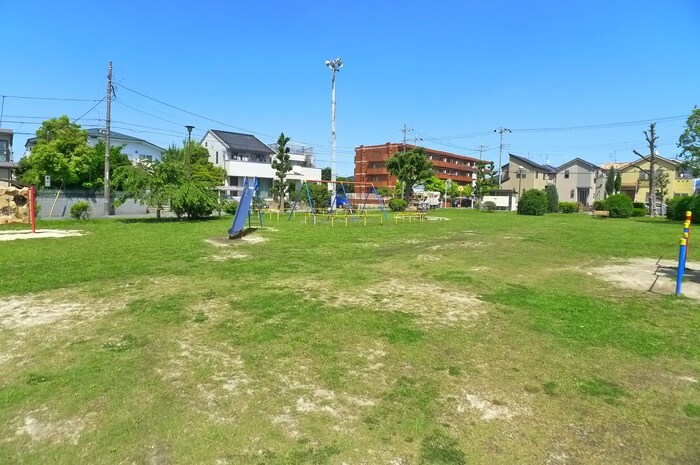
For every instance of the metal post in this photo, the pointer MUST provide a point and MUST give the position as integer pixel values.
(688, 218)
(335, 66)
(32, 207)
(107, 137)
(681, 266)
(500, 154)
(187, 152)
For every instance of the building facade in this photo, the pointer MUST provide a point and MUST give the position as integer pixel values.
(635, 180)
(245, 156)
(7, 166)
(370, 165)
(521, 174)
(576, 181)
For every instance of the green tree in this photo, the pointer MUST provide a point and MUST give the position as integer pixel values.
(618, 183)
(434, 184)
(325, 174)
(552, 198)
(610, 182)
(662, 183)
(486, 180)
(689, 143)
(410, 168)
(93, 177)
(320, 196)
(282, 165)
(61, 151)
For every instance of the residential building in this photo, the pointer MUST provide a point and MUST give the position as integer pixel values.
(603, 178)
(370, 165)
(576, 181)
(521, 174)
(245, 156)
(6, 164)
(134, 148)
(635, 179)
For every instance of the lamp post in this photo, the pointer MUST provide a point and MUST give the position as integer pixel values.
(187, 152)
(521, 170)
(335, 66)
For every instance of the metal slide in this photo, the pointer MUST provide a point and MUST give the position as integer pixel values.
(242, 212)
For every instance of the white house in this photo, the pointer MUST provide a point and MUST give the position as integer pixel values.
(134, 148)
(244, 155)
(577, 181)
(6, 164)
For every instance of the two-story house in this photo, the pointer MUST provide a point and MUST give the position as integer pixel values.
(521, 174)
(635, 179)
(576, 181)
(246, 156)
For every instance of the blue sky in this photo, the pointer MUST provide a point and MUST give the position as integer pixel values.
(451, 71)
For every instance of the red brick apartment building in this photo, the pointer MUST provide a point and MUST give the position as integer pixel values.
(370, 165)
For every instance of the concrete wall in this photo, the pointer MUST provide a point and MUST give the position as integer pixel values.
(64, 202)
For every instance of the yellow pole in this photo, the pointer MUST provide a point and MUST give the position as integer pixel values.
(332, 221)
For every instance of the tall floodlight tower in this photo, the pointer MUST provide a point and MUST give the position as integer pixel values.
(335, 66)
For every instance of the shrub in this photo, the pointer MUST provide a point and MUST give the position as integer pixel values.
(568, 207)
(599, 205)
(533, 202)
(638, 205)
(193, 200)
(638, 212)
(397, 205)
(619, 206)
(80, 210)
(489, 206)
(552, 198)
(677, 206)
(230, 207)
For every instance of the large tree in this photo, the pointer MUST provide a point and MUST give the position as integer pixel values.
(618, 183)
(410, 168)
(282, 165)
(689, 143)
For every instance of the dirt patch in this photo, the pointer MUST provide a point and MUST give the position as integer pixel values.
(417, 298)
(428, 258)
(39, 428)
(222, 257)
(651, 275)
(39, 234)
(29, 311)
(489, 410)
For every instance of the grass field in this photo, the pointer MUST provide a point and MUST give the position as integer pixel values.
(484, 339)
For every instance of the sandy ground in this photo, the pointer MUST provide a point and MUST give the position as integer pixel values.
(39, 234)
(651, 275)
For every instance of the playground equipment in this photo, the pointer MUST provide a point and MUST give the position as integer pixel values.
(339, 200)
(683, 252)
(17, 205)
(249, 195)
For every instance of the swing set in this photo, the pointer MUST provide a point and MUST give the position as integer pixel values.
(339, 200)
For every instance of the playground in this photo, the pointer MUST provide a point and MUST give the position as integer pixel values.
(479, 339)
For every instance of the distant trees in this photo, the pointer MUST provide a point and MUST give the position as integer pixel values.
(689, 142)
(618, 183)
(610, 182)
(410, 168)
(63, 153)
(486, 180)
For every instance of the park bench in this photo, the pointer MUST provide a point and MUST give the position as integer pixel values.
(601, 213)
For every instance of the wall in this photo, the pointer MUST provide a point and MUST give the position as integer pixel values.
(45, 201)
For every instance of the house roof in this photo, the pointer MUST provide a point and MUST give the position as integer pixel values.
(579, 161)
(537, 166)
(95, 133)
(241, 142)
(636, 163)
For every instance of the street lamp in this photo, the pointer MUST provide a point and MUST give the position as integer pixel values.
(335, 66)
(187, 152)
(521, 170)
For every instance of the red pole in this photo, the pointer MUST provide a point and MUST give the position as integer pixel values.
(32, 212)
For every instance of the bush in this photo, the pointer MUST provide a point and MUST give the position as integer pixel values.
(80, 210)
(552, 198)
(677, 206)
(619, 206)
(230, 207)
(489, 206)
(599, 205)
(533, 202)
(638, 212)
(320, 196)
(397, 205)
(638, 205)
(193, 200)
(568, 207)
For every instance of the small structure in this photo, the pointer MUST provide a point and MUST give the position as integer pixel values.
(14, 205)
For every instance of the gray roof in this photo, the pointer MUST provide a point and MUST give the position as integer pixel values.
(95, 133)
(580, 161)
(238, 142)
(543, 168)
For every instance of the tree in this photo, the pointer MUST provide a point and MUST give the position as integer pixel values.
(486, 180)
(610, 182)
(320, 196)
(662, 183)
(552, 198)
(410, 168)
(651, 172)
(325, 174)
(93, 177)
(61, 151)
(282, 165)
(533, 202)
(689, 143)
(618, 183)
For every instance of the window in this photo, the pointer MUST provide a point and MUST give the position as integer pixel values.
(572, 194)
(217, 157)
(537, 175)
(205, 143)
(4, 151)
(566, 176)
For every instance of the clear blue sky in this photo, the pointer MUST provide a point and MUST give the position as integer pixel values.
(451, 70)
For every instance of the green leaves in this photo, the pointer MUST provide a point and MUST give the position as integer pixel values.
(411, 168)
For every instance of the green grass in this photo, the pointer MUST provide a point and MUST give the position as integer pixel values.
(482, 339)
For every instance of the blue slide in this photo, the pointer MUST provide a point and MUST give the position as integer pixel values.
(242, 211)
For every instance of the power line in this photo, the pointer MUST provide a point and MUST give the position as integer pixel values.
(92, 108)
(51, 98)
(605, 125)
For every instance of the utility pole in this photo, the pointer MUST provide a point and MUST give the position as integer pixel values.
(108, 210)
(500, 154)
(404, 138)
(651, 140)
(482, 147)
(335, 66)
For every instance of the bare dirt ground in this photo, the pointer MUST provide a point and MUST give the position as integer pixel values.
(651, 275)
(39, 234)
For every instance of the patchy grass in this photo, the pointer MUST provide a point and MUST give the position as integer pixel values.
(483, 339)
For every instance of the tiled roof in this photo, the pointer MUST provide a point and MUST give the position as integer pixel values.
(242, 142)
(537, 166)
